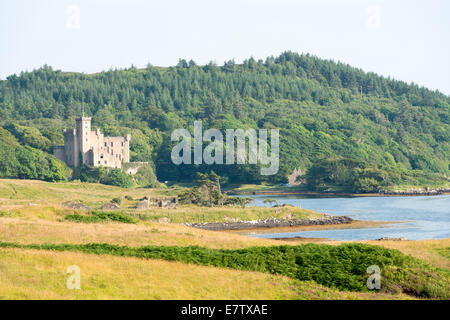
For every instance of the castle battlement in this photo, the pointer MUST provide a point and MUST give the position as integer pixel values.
(92, 148)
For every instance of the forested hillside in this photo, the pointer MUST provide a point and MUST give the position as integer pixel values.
(25, 162)
(343, 126)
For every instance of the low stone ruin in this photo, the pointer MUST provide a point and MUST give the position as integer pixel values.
(161, 202)
(143, 205)
(78, 206)
(110, 206)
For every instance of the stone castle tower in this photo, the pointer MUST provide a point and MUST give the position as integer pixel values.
(92, 148)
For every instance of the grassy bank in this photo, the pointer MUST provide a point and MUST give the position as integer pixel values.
(150, 254)
(17, 191)
(341, 267)
(434, 252)
(27, 198)
(112, 277)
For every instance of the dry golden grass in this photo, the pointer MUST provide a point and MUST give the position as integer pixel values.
(33, 274)
(22, 191)
(31, 227)
(148, 233)
(28, 274)
(25, 196)
(422, 249)
(28, 198)
(33, 212)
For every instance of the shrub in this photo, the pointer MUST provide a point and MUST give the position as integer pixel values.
(145, 177)
(117, 177)
(117, 200)
(100, 216)
(82, 218)
(25, 162)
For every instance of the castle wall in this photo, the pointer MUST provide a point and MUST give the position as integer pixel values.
(59, 153)
(71, 153)
(95, 149)
(113, 151)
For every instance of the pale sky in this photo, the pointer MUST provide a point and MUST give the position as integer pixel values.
(407, 40)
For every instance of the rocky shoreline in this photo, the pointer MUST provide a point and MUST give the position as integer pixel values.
(418, 192)
(413, 192)
(270, 223)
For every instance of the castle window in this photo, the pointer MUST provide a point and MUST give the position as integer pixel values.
(106, 162)
(122, 143)
(101, 156)
(105, 144)
(112, 144)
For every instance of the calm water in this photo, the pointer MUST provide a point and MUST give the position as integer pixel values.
(428, 216)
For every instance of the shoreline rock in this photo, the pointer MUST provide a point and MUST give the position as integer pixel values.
(416, 192)
(270, 223)
(392, 239)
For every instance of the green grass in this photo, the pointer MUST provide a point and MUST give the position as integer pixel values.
(196, 214)
(98, 216)
(445, 252)
(113, 277)
(35, 190)
(342, 267)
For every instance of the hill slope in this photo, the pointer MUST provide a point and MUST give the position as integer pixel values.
(364, 131)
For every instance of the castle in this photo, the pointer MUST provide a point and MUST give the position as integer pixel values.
(92, 148)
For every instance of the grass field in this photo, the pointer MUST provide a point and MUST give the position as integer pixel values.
(33, 212)
(27, 198)
(30, 274)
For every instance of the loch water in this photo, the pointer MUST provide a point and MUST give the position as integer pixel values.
(423, 217)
